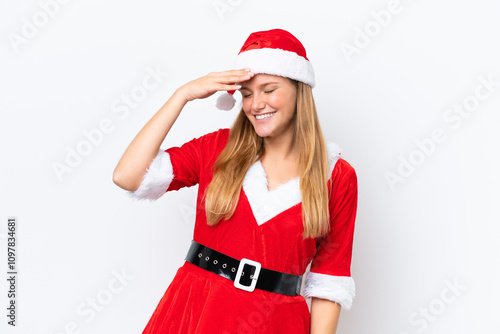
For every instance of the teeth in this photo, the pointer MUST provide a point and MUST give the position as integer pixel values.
(265, 115)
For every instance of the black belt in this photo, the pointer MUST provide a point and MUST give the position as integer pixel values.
(251, 274)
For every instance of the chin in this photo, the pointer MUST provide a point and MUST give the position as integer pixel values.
(262, 132)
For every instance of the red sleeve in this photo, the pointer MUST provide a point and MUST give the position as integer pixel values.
(334, 251)
(192, 158)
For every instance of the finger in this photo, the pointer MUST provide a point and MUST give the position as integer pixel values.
(229, 87)
(241, 72)
(234, 79)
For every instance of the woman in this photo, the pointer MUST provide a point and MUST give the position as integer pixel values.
(272, 198)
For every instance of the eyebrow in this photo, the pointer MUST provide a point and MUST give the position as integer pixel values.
(260, 86)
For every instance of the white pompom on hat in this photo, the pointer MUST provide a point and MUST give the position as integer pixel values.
(275, 52)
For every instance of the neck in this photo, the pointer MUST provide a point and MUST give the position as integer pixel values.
(280, 148)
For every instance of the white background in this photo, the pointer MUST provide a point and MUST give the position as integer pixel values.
(76, 232)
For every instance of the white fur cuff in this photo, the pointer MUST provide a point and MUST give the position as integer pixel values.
(339, 289)
(157, 178)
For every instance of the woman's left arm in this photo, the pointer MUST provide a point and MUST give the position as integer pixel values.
(324, 316)
(329, 282)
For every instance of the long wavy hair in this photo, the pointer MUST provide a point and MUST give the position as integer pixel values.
(245, 147)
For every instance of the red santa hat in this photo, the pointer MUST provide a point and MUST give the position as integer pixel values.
(275, 52)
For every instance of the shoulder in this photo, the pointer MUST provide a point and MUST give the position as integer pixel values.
(211, 144)
(208, 143)
(340, 169)
(202, 148)
(220, 136)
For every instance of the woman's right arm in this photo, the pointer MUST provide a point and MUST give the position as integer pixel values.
(131, 168)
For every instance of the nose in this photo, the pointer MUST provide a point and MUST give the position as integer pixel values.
(258, 102)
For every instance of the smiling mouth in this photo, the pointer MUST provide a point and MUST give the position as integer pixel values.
(263, 116)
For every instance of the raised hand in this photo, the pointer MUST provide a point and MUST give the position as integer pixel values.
(216, 81)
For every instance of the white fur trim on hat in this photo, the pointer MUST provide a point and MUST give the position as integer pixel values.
(157, 178)
(276, 62)
(339, 289)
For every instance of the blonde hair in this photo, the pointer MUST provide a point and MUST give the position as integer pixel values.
(245, 147)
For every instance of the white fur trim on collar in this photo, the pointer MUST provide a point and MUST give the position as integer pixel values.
(339, 289)
(267, 204)
(157, 178)
(334, 153)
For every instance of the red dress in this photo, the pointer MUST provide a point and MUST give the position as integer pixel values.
(266, 227)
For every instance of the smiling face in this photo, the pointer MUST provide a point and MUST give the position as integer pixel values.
(269, 102)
